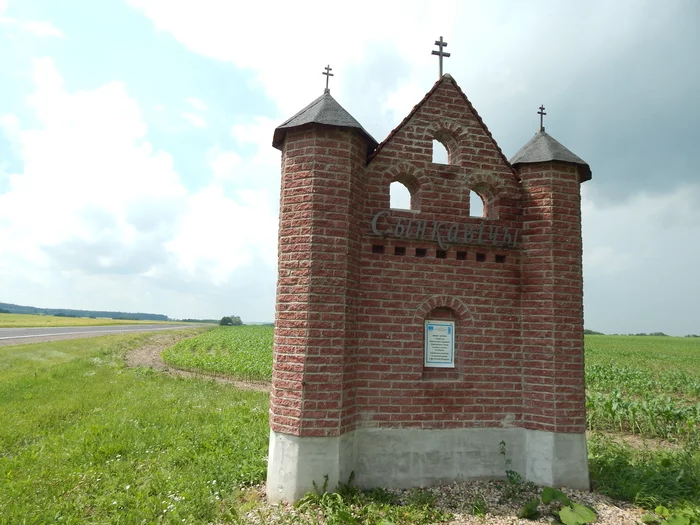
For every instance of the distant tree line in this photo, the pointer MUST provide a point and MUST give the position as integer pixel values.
(3, 311)
(592, 332)
(66, 312)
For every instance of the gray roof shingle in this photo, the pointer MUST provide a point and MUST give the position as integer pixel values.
(324, 110)
(543, 148)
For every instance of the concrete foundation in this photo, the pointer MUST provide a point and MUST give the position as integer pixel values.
(404, 458)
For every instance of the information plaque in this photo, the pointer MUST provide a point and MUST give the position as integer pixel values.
(440, 344)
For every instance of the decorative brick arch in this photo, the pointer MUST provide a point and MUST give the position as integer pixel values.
(450, 134)
(413, 178)
(486, 183)
(410, 176)
(443, 301)
(489, 186)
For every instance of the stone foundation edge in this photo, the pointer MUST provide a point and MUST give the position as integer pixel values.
(405, 458)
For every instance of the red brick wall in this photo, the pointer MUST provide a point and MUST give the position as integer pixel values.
(349, 340)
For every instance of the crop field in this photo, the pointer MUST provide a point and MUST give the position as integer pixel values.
(86, 440)
(38, 321)
(240, 352)
(649, 386)
(637, 386)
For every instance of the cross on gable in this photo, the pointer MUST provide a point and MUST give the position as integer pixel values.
(541, 113)
(328, 74)
(440, 43)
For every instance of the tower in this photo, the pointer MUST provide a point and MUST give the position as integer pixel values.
(324, 151)
(554, 397)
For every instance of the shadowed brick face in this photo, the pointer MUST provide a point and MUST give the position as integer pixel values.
(351, 304)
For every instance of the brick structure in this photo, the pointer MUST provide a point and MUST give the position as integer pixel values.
(358, 281)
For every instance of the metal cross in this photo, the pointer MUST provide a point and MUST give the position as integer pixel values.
(440, 53)
(541, 113)
(328, 74)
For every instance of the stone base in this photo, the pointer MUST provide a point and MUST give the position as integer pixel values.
(405, 458)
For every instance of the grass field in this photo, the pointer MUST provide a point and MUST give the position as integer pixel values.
(86, 440)
(38, 321)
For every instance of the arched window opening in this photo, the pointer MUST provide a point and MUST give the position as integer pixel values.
(476, 205)
(399, 196)
(440, 153)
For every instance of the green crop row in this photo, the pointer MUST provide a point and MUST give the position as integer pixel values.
(653, 415)
(629, 388)
(240, 352)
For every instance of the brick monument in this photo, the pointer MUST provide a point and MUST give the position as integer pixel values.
(410, 343)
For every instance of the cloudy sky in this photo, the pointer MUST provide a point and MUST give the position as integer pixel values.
(136, 167)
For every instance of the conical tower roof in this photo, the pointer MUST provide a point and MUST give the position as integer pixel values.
(324, 110)
(543, 148)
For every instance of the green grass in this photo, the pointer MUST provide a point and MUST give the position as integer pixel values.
(648, 386)
(241, 352)
(85, 440)
(39, 321)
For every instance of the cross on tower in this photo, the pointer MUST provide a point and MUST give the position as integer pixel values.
(440, 53)
(328, 74)
(541, 113)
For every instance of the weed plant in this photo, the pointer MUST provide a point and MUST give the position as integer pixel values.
(350, 506)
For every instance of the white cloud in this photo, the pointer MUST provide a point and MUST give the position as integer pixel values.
(195, 120)
(640, 257)
(224, 164)
(40, 28)
(223, 30)
(98, 218)
(197, 103)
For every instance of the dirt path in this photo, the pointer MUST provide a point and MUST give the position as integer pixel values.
(148, 356)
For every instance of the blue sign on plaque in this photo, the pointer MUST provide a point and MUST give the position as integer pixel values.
(440, 344)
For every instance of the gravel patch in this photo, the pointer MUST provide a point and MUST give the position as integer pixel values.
(496, 498)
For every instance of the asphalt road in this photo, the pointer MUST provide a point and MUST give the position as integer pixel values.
(18, 336)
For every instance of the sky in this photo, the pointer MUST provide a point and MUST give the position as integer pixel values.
(137, 172)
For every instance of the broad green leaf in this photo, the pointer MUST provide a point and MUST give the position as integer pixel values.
(577, 515)
(550, 494)
(677, 519)
(662, 511)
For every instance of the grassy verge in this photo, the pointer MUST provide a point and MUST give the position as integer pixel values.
(241, 352)
(39, 321)
(85, 440)
(646, 476)
(648, 387)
